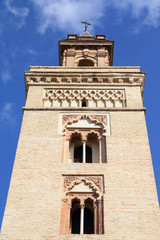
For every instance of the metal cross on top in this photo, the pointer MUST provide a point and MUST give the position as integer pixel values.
(86, 25)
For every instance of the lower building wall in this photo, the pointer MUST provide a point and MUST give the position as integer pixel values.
(130, 204)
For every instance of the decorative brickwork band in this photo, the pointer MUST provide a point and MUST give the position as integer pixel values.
(92, 98)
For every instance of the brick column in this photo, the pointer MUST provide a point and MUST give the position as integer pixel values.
(95, 217)
(66, 151)
(100, 216)
(62, 229)
(82, 219)
(104, 153)
(84, 151)
(100, 151)
(63, 148)
(67, 218)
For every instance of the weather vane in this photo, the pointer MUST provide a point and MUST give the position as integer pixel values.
(86, 25)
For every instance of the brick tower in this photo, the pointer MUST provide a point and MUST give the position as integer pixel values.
(83, 168)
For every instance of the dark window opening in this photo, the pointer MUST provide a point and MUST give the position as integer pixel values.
(88, 155)
(88, 217)
(75, 217)
(84, 103)
(88, 221)
(78, 154)
(86, 62)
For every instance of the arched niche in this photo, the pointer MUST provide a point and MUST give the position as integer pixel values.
(86, 62)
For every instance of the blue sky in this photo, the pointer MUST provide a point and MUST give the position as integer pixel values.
(29, 34)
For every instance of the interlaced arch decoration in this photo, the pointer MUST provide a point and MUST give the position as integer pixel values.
(74, 98)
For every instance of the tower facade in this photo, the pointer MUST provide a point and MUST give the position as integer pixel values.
(83, 168)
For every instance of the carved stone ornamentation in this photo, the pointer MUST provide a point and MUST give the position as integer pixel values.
(84, 133)
(93, 182)
(98, 119)
(97, 181)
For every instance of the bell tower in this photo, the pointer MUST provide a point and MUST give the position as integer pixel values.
(83, 168)
(85, 50)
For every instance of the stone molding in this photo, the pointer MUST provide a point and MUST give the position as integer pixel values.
(84, 79)
(87, 109)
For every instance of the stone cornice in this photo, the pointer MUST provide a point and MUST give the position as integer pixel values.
(92, 75)
(82, 69)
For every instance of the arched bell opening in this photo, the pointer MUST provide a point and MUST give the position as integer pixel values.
(75, 217)
(89, 217)
(86, 62)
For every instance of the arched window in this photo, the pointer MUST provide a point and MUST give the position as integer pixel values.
(84, 102)
(92, 149)
(88, 217)
(75, 217)
(82, 205)
(85, 150)
(82, 222)
(88, 154)
(84, 140)
(78, 154)
(86, 62)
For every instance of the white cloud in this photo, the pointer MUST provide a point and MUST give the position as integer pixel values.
(6, 76)
(7, 116)
(18, 12)
(66, 15)
(32, 51)
(147, 11)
